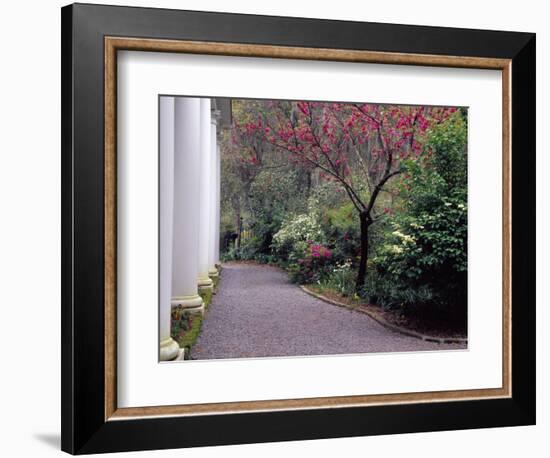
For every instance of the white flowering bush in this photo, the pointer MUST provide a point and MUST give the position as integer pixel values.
(291, 241)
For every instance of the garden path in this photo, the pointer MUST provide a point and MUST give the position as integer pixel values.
(258, 312)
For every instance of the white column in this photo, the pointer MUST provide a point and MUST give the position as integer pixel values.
(186, 204)
(212, 269)
(218, 210)
(205, 180)
(168, 347)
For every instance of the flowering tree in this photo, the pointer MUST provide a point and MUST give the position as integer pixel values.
(360, 146)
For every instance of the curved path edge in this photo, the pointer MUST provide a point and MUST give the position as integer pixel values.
(376, 317)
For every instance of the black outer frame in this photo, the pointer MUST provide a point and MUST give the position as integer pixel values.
(84, 429)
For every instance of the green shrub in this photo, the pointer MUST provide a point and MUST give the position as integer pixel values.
(385, 291)
(423, 260)
(246, 252)
(341, 279)
(262, 258)
(341, 228)
(273, 196)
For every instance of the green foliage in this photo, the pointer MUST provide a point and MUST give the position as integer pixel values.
(272, 196)
(341, 279)
(246, 252)
(185, 327)
(206, 295)
(384, 290)
(188, 339)
(262, 258)
(448, 143)
(341, 228)
(423, 261)
(441, 171)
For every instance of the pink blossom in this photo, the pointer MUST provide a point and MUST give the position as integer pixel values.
(303, 108)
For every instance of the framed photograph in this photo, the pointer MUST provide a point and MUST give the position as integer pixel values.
(283, 228)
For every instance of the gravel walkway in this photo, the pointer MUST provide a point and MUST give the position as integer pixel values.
(257, 312)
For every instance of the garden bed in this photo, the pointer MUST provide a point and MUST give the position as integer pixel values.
(427, 329)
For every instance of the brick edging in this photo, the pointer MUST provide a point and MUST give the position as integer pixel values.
(383, 322)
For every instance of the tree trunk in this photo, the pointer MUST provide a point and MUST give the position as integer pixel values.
(240, 232)
(365, 225)
(238, 227)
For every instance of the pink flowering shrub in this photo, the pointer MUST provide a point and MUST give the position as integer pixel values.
(313, 266)
(318, 251)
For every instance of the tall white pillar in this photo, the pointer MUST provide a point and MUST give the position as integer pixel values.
(169, 348)
(205, 180)
(187, 156)
(218, 210)
(212, 269)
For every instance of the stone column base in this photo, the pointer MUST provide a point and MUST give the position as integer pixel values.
(213, 272)
(205, 283)
(169, 349)
(181, 355)
(193, 304)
